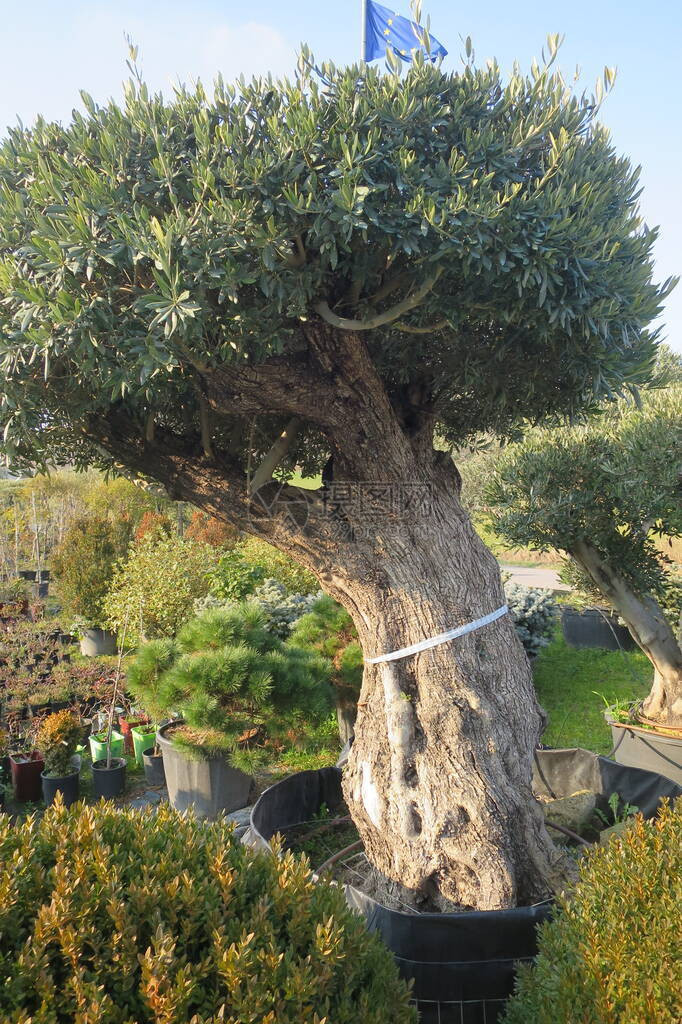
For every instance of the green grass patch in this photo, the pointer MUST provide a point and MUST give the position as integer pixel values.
(569, 683)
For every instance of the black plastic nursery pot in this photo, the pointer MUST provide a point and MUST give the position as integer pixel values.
(108, 783)
(209, 786)
(67, 785)
(462, 965)
(153, 767)
(647, 748)
(595, 627)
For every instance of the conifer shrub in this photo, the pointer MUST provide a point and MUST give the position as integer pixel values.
(57, 738)
(113, 916)
(84, 565)
(611, 955)
(534, 613)
(328, 629)
(230, 678)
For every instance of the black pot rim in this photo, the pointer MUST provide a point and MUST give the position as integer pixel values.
(116, 764)
(59, 778)
(149, 752)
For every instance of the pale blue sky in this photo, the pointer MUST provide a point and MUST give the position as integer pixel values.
(49, 50)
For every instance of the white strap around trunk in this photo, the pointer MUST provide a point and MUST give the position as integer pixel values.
(435, 641)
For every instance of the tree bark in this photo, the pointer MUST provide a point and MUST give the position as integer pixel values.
(439, 776)
(650, 630)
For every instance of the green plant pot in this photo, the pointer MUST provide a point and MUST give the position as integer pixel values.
(98, 748)
(143, 738)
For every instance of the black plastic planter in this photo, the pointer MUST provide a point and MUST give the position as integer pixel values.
(209, 786)
(463, 965)
(108, 783)
(67, 785)
(153, 767)
(595, 627)
(645, 748)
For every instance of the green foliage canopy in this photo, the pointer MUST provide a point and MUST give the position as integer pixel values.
(482, 234)
(84, 564)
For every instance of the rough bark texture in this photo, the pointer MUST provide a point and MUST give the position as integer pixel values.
(650, 630)
(439, 780)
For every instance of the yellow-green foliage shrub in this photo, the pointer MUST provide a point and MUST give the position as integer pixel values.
(613, 953)
(113, 917)
(154, 589)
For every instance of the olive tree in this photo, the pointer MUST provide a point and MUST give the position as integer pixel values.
(322, 275)
(602, 492)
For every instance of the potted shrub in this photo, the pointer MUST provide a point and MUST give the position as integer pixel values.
(152, 760)
(58, 736)
(26, 766)
(128, 721)
(143, 737)
(237, 686)
(109, 770)
(83, 567)
(193, 888)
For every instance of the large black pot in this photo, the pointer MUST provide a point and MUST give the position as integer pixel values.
(67, 785)
(209, 786)
(463, 965)
(153, 767)
(108, 783)
(595, 627)
(644, 748)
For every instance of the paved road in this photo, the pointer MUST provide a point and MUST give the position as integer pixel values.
(537, 577)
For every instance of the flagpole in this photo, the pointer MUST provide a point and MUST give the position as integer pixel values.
(363, 30)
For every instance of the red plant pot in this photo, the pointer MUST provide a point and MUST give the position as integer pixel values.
(26, 780)
(127, 724)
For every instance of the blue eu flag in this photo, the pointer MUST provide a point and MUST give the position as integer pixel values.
(384, 29)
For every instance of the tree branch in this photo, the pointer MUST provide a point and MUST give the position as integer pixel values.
(431, 329)
(380, 319)
(279, 449)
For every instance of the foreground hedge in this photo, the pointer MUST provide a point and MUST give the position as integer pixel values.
(116, 917)
(613, 954)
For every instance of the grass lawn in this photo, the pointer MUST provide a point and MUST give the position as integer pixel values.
(566, 680)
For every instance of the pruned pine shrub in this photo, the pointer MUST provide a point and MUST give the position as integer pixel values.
(612, 953)
(230, 677)
(329, 629)
(110, 916)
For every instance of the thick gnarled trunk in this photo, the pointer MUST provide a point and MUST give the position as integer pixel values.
(439, 776)
(651, 631)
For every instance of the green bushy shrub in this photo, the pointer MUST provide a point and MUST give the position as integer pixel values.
(229, 676)
(611, 955)
(328, 629)
(278, 566)
(84, 565)
(534, 614)
(109, 916)
(154, 589)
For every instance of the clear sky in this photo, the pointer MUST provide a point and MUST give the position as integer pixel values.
(49, 50)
